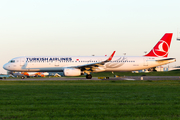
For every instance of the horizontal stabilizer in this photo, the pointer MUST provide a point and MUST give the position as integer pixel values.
(168, 59)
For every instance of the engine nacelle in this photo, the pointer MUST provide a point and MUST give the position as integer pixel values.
(72, 72)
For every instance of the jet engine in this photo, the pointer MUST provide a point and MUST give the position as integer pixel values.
(72, 72)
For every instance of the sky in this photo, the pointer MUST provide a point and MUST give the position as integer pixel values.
(86, 27)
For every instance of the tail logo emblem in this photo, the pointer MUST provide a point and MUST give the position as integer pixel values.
(161, 49)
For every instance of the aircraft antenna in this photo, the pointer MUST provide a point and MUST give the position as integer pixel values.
(177, 35)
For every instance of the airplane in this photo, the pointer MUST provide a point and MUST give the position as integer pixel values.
(82, 65)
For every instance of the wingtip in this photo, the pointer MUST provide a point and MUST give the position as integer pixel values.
(110, 58)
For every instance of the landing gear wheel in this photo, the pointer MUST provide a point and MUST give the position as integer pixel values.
(88, 76)
(22, 77)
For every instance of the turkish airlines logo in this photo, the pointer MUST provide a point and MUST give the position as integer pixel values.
(161, 49)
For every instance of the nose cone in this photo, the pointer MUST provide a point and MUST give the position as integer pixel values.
(5, 66)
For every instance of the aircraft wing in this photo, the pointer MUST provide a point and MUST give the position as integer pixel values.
(92, 66)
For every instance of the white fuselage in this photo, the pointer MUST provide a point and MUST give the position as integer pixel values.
(59, 63)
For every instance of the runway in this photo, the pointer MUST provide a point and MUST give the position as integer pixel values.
(96, 78)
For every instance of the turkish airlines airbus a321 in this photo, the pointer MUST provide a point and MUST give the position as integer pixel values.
(76, 66)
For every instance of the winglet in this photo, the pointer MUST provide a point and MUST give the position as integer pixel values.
(110, 58)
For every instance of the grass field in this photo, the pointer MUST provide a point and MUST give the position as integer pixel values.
(89, 100)
(164, 73)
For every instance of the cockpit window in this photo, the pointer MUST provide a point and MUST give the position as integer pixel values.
(12, 61)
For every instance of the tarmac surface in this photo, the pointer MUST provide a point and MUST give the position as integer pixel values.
(97, 78)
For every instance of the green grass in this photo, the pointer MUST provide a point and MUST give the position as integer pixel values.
(109, 74)
(89, 100)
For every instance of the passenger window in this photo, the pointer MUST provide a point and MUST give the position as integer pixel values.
(12, 61)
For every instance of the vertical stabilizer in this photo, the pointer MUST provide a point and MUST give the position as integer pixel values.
(162, 47)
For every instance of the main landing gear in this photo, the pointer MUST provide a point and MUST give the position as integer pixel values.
(89, 76)
(22, 77)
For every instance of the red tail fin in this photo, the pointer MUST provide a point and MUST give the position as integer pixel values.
(162, 47)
